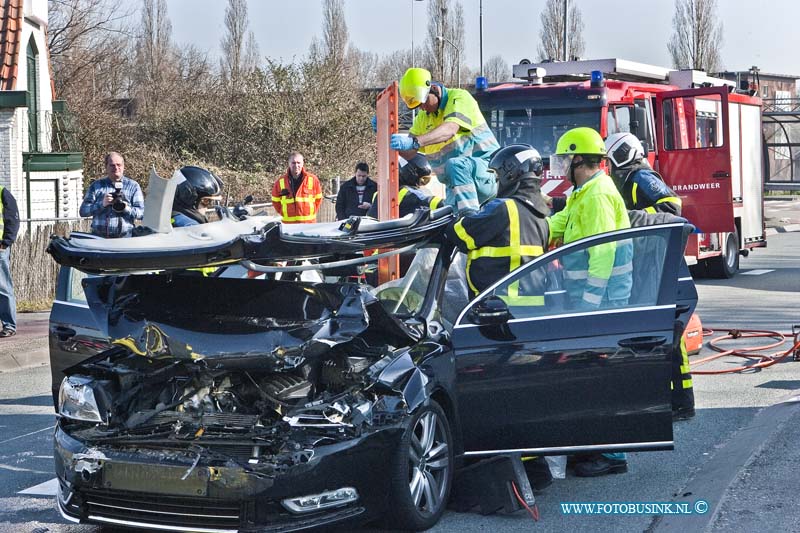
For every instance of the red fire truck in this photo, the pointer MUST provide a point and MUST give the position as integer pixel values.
(702, 134)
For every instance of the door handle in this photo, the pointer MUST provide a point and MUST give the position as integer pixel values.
(720, 174)
(680, 309)
(642, 343)
(65, 333)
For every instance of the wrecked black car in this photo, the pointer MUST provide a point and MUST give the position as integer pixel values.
(289, 390)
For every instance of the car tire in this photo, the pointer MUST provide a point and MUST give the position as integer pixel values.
(727, 265)
(421, 471)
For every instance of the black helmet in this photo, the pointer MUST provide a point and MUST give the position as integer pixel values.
(416, 171)
(199, 183)
(510, 163)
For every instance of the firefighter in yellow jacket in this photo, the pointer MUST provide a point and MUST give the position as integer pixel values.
(451, 132)
(297, 195)
(603, 275)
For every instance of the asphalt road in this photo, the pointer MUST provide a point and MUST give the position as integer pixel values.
(737, 454)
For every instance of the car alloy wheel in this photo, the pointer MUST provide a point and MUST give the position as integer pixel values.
(429, 463)
(422, 472)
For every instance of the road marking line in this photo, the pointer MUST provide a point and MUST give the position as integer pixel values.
(21, 409)
(48, 488)
(757, 272)
(18, 469)
(48, 428)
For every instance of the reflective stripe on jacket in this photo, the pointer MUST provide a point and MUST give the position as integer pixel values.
(644, 189)
(602, 272)
(408, 203)
(473, 138)
(297, 206)
(500, 238)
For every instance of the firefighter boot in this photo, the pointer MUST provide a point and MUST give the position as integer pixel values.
(538, 472)
(600, 465)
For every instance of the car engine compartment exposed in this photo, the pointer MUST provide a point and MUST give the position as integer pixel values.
(241, 379)
(243, 414)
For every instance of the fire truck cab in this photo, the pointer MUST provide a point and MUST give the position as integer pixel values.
(701, 134)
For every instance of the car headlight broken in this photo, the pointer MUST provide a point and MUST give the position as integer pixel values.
(76, 400)
(324, 500)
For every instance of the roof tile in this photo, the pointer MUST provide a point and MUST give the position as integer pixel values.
(10, 33)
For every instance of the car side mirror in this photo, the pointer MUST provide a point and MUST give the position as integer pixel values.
(491, 310)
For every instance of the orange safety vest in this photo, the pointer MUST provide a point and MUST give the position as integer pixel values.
(299, 206)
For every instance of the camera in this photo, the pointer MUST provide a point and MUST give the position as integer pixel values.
(118, 204)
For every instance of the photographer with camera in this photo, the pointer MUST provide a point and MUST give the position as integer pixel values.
(114, 201)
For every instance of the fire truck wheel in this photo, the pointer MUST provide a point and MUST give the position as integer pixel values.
(727, 265)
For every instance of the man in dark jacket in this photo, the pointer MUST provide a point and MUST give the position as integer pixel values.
(510, 230)
(355, 195)
(641, 187)
(9, 228)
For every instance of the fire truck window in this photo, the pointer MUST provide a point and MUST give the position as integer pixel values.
(619, 119)
(541, 128)
(691, 123)
(641, 125)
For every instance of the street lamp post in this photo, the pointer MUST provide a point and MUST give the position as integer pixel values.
(413, 59)
(480, 31)
(444, 39)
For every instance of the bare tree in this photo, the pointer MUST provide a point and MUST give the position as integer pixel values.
(696, 35)
(239, 48)
(83, 36)
(496, 69)
(155, 55)
(364, 67)
(552, 37)
(444, 43)
(392, 67)
(332, 49)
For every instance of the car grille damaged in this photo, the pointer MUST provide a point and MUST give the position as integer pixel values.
(118, 507)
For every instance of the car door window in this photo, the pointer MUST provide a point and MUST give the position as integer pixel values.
(74, 288)
(456, 293)
(621, 273)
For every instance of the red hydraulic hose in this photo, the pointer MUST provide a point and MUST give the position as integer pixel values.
(758, 360)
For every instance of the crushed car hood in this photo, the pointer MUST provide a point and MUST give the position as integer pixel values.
(274, 325)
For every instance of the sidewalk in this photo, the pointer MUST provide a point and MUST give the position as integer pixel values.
(781, 214)
(29, 346)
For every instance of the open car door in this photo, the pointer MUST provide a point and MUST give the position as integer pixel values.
(694, 154)
(548, 375)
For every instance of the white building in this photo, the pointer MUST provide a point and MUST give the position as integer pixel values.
(46, 181)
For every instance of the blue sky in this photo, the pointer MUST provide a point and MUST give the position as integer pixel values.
(755, 33)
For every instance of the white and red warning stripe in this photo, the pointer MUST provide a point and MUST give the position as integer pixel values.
(556, 186)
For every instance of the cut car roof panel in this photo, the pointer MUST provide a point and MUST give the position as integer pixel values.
(253, 239)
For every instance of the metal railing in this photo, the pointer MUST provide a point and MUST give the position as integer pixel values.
(779, 105)
(55, 131)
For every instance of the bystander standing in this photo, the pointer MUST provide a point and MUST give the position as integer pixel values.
(114, 202)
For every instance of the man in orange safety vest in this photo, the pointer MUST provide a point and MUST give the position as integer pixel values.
(297, 195)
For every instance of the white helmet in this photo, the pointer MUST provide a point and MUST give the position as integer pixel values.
(623, 149)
